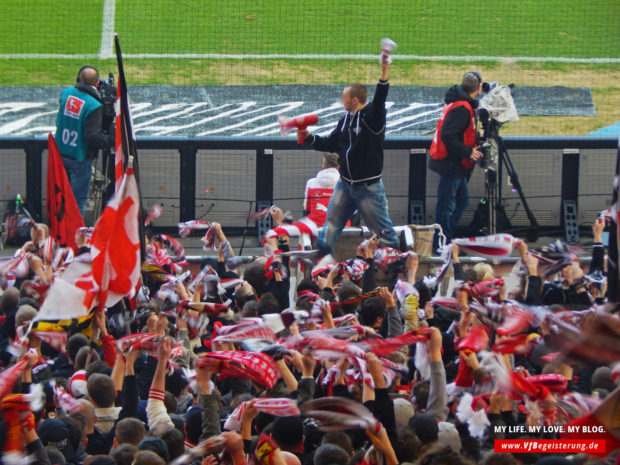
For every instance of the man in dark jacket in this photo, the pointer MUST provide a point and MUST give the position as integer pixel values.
(358, 141)
(454, 151)
(79, 132)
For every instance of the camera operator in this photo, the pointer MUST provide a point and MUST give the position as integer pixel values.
(80, 133)
(454, 152)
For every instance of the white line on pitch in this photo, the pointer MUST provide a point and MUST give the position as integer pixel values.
(316, 56)
(51, 56)
(107, 29)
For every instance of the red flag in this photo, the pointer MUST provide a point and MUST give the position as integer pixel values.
(63, 214)
(115, 245)
(71, 295)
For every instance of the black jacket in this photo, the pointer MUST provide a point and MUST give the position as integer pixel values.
(358, 139)
(94, 136)
(62, 367)
(452, 130)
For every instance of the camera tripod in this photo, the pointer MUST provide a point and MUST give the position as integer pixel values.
(491, 206)
(101, 188)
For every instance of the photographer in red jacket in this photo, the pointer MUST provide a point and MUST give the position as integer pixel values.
(454, 152)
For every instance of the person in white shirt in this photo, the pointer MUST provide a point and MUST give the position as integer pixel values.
(320, 188)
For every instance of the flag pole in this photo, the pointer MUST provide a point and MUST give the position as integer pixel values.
(128, 140)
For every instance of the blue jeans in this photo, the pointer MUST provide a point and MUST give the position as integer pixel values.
(372, 205)
(79, 173)
(452, 200)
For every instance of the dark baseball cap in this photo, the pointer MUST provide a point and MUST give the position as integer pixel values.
(55, 433)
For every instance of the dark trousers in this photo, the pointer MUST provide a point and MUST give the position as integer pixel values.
(452, 200)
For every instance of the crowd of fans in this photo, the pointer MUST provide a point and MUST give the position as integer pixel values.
(108, 399)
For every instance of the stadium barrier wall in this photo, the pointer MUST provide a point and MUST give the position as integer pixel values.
(225, 180)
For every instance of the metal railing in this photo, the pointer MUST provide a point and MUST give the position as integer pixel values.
(577, 168)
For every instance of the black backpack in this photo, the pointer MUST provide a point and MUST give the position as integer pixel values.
(16, 224)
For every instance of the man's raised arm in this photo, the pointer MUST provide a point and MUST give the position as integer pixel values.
(376, 108)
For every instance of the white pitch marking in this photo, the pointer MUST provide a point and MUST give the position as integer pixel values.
(11, 107)
(22, 122)
(107, 30)
(276, 125)
(182, 111)
(285, 107)
(395, 122)
(417, 123)
(222, 114)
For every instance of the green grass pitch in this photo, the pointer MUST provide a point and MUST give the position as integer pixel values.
(568, 28)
